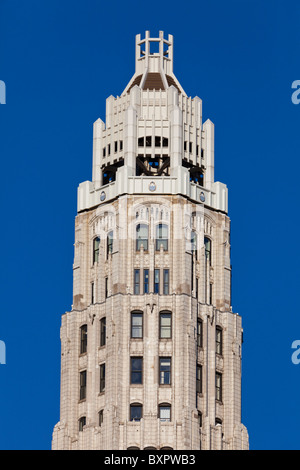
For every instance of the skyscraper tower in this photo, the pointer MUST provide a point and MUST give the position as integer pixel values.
(151, 349)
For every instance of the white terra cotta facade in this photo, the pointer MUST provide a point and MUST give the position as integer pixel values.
(151, 350)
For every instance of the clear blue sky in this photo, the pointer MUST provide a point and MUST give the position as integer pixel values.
(60, 60)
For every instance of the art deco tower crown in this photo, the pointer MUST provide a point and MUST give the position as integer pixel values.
(151, 350)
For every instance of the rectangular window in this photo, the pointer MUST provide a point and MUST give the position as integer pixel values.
(199, 333)
(207, 245)
(136, 281)
(157, 141)
(104, 151)
(82, 380)
(156, 281)
(106, 287)
(162, 235)
(146, 281)
(121, 145)
(102, 377)
(218, 340)
(210, 293)
(165, 413)
(166, 282)
(218, 386)
(100, 417)
(165, 326)
(165, 371)
(108, 148)
(199, 379)
(82, 423)
(136, 370)
(148, 141)
(110, 242)
(116, 146)
(141, 141)
(142, 236)
(165, 142)
(103, 331)
(83, 339)
(137, 325)
(92, 292)
(96, 245)
(136, 412)
(190, 147)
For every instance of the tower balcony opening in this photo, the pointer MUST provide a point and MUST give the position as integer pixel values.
(109, 172)
(153, 166)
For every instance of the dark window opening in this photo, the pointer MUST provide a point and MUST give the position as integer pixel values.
(83, 339)
(136, 370)
(82, 385)
(102, 378)
(109, 172)
(218, 340)
(199, 379)
(156, 166)
(199, 333)
(136, 413)
(103, 331)
(81, 423)
(146, 281)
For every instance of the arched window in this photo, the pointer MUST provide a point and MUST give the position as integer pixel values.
(96, 245)
(110, 243)
(136, 324)
(162, 236)
(165, 412)
(165, 325)
(142, 236)
(81, 423)
(100, 416)
(136, 412)
(83, 339)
